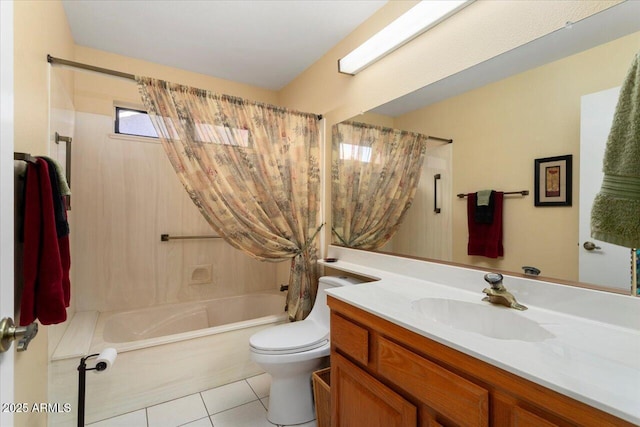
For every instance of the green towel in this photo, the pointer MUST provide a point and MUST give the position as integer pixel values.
(62, 179)
(615, 216)
(483, 197)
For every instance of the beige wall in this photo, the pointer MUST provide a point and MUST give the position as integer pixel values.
(40, 28)
(96, 93)
(501, 128)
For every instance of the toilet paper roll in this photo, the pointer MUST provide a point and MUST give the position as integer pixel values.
(105, 359)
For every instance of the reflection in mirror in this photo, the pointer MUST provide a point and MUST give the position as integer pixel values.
(502, 115)
(375, 173)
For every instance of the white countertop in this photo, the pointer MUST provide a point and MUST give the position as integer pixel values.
(593, 357)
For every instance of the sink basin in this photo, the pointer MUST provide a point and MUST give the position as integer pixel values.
(489, 320)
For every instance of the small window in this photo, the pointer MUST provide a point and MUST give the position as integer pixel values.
(216, 134)
(134, 122)
(355, 152)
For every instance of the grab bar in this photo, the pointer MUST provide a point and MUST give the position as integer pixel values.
(67, 140)
(436, 209)
(166, 237)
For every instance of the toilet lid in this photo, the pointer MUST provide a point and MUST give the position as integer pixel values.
(290, 338)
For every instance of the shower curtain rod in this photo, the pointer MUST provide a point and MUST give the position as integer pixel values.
(437, 138)
(59, 61)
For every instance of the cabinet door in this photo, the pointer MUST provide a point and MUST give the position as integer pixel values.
(359, 400)
(523, 418)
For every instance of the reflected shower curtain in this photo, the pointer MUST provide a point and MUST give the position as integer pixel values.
(374, 177)
(251, 169)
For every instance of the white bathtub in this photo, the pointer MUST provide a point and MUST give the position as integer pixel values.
(132, 329)
(165, 352)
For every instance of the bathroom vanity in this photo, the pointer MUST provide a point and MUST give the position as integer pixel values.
(419, 347)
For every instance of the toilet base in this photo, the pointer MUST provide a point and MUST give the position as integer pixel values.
(291, 393)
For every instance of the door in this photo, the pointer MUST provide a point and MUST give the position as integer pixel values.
(606, 265)
(430, 210)
(6, 198)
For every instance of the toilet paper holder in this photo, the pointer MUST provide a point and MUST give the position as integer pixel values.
(103, 361)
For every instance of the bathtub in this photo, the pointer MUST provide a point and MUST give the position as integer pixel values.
(164, 352)
(133, 329)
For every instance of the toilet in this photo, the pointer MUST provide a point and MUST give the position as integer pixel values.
(291, 352)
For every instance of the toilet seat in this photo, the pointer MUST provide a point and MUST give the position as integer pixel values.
(290, 338)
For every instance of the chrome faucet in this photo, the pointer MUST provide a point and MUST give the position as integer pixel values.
(498, 294)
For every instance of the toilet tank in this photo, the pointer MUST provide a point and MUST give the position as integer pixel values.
(320, 311)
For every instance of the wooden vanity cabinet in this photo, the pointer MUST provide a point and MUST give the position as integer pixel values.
(383, 375)
(365, 401)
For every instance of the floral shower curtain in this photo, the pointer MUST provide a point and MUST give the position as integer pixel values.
(374, 177)
(251, 169)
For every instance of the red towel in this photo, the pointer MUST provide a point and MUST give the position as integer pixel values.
(62, 228)
(43, 297)
(485, 239)
(65, 258)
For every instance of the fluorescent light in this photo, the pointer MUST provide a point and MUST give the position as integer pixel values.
(411, 24)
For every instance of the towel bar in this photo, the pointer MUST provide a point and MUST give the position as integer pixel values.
(523, 192)
(24, 156)
(166, 237)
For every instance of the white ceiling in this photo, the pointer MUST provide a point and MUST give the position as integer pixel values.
(265, 43)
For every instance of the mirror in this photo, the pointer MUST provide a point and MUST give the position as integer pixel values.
(502, 115)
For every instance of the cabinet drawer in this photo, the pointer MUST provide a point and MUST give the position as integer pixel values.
(351, 339)
(454, 397)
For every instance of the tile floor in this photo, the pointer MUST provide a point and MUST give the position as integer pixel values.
(239, 404)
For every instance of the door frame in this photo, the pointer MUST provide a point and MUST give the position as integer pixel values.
(6, 199)
(609, 265)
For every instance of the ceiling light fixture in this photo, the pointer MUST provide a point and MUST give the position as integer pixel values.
(417, 20)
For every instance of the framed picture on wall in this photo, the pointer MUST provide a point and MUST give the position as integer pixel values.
(553, 181)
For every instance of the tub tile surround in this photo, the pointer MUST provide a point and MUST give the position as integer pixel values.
(592, 356)
(119, 261)
(74, 342)
(238, 404)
